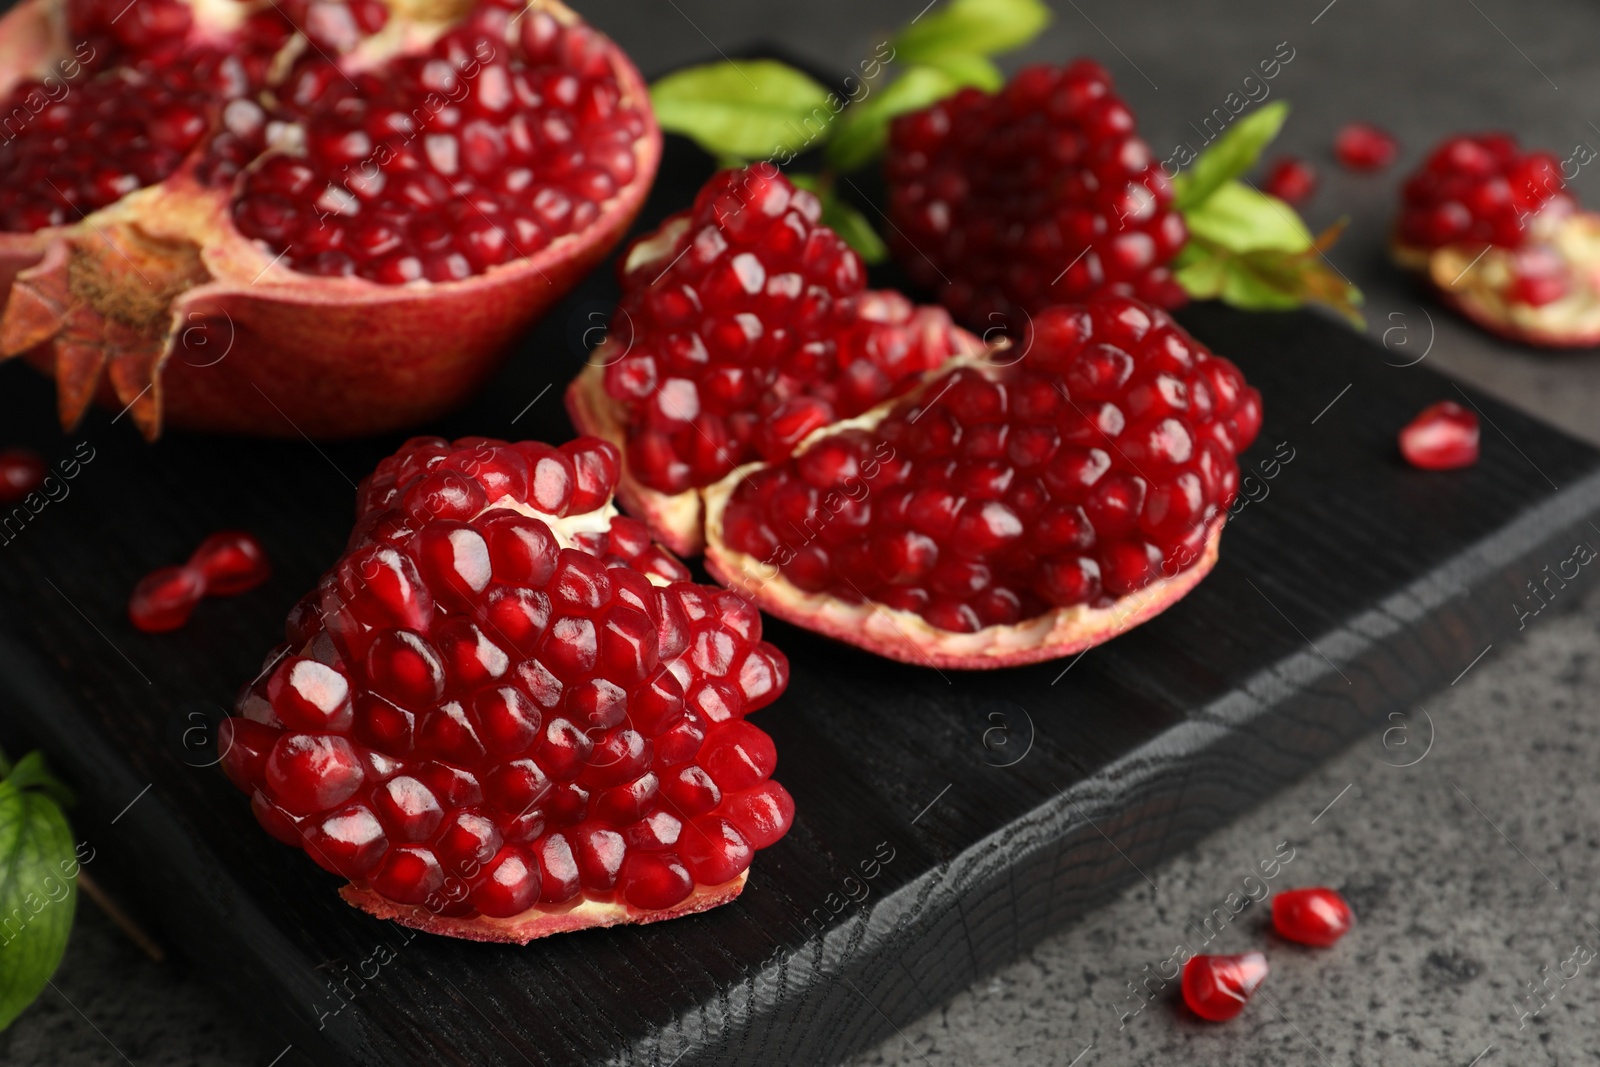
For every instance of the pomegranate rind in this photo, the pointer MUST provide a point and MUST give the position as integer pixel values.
(539, 920)
(908, 637)
(1475, 280)
(321, 357)
(675, 519)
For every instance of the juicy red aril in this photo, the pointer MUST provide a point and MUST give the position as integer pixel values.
(1361, 146)
(1443, 437)
(1315, 916)
(21, 472)
(510, 713)
(1482, 189)
(164, 599)
(232, 561)
(1079, 474)
(1216, 988)
(1291, 180)
(1036, 195)
(754, 328)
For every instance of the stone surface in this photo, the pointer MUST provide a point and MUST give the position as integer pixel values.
(1470, 872)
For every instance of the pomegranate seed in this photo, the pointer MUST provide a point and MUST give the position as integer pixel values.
(1361, 146)
(1443, 437)
(1482, 188)
(1315, 916)
(21, 472)
(232, 562)
(1291, 180)
(164, 599)
(1216, 988)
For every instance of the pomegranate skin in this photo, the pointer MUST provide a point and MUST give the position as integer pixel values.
(239, 343)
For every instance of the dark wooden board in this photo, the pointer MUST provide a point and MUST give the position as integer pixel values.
(1353, 586)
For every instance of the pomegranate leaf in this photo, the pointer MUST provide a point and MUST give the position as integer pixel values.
(1268, 279)
(971, 27)
(843, 218)
(37, 894)
(864, 128)
(754, 109)
(1235, 152)
(969, 68)
(1241, 218)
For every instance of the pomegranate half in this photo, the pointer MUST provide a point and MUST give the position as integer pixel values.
(505, 713)
(1501, 239)
(309, 217)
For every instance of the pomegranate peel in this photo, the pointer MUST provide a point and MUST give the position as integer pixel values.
(157, 301)
(539, 921)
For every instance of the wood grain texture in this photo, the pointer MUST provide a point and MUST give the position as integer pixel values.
(1354, 587)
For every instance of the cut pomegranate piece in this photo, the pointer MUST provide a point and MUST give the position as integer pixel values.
(1002, 514)
(1291, 180)
(507, 713)
(1314, 916)
(232, 562)
(745, 325)
(319, 217)
(1361, 146)
(1216, 988)
(21, 472)
(164, 599)
(1443, 437)
(1039, 194)
(1502, 240)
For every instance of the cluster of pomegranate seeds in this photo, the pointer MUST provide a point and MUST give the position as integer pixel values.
(1216, 988)
(1312, 916)
(21, 472)
(1361, 146)
(1090, 468)
(751, 330)
(504, 697)
(1038, 195)
(508, 134)
(1291, 180)
(1443, 437)
(225, 564)
(1480, 189)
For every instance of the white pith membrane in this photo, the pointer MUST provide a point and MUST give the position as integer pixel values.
(1478, 280)
(541, 919)
(169, 254)
(907, 636)
(677, 520)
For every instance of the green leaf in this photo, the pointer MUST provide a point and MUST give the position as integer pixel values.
(864, 128)
(1243, 219)
(1268, 279)
(1235, 152)
(969, 68)
(974, 27)
(755, 109)
(38, 892)
(844, 219)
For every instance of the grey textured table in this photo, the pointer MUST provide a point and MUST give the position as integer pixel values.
(1473, 870)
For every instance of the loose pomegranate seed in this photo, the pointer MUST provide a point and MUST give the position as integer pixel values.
(1216, 988)
(1036, 195)
(1315, 916)
(164, 599)
(21, 472)
(1361, 146)
(507, 701)
(1481, 188)
(1077, 475)
(1290, 179)
(1443, 437)
(753, 329)
(232, 562)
